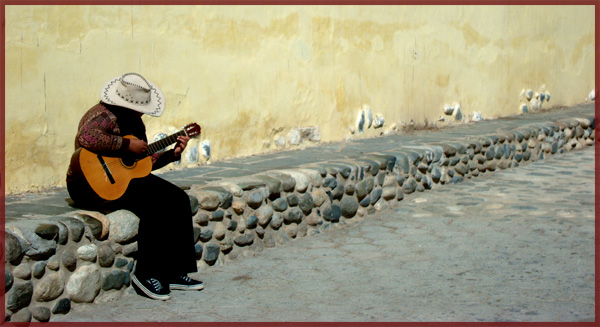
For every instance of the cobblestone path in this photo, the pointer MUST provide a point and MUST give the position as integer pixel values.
(513, 245)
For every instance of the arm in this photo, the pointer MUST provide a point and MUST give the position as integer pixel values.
(162, 159)
(99, 133)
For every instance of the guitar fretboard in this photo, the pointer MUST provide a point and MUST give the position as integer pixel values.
(163, 143)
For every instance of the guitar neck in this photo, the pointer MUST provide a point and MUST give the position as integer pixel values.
(163, 143)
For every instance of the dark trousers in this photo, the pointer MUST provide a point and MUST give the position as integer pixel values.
(165, 236)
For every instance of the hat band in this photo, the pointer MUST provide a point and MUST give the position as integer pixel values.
(130, 100)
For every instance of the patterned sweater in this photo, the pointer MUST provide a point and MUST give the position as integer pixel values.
(102, 128)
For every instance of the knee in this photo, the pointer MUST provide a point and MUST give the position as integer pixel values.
(184, 201)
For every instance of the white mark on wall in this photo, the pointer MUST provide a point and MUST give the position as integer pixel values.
(591, 96)
(205, 149)
(191, 154)
(457, 114)
(524, 108)
(453, 110)
(299, 134)
(448, 109)
(365, 120)
(280, 141)
(526, 94)
(368, 116)
(294, 137)
(379, 121)
(360, 121)
(531, 100)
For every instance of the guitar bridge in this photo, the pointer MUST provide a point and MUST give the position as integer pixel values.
(106, 169)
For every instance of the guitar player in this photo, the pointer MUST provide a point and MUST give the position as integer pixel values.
(165, 237)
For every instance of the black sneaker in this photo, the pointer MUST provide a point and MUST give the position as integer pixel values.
(152, 287)
(185, 283)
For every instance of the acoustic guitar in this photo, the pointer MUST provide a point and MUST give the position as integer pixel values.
(108, 177)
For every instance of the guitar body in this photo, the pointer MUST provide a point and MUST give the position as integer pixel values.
(109, 177)
(97, 179)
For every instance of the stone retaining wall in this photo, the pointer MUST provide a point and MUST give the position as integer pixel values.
(82, 257)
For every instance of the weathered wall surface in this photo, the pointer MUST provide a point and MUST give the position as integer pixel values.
(250, 75)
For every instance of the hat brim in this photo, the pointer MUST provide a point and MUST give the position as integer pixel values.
(155, 107)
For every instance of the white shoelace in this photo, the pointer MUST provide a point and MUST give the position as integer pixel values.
(157, 285)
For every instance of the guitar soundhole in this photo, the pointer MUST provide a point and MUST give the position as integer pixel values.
(129, 162)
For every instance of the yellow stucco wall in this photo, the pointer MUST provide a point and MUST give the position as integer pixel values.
(250, 74)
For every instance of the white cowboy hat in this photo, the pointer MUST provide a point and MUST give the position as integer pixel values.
(134, 92)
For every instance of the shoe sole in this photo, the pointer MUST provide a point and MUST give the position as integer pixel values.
(147, 291)
(186, 287)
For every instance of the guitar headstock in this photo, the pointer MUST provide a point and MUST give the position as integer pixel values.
(192, 129)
